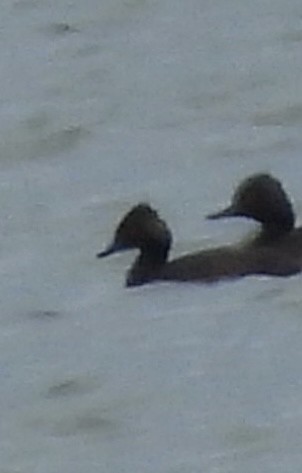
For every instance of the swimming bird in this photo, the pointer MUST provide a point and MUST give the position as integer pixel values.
(143, 229)
(261, 197)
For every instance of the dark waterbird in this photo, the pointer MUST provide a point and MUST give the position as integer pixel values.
(276, 251)
(262, 198)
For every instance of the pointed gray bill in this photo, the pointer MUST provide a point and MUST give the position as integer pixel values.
(227, 212)
(114, 247)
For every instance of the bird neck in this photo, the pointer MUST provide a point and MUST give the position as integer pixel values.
(147, 265)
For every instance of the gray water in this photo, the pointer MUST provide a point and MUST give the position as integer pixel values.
(104, 104)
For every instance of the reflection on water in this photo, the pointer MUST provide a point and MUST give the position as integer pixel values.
(90, 422)
(45, 314)
(60, 29)
(72, 386)
(287, 116)
(250, 437)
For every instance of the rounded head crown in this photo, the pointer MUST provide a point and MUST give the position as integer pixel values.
(262, 198)
(141, 228)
